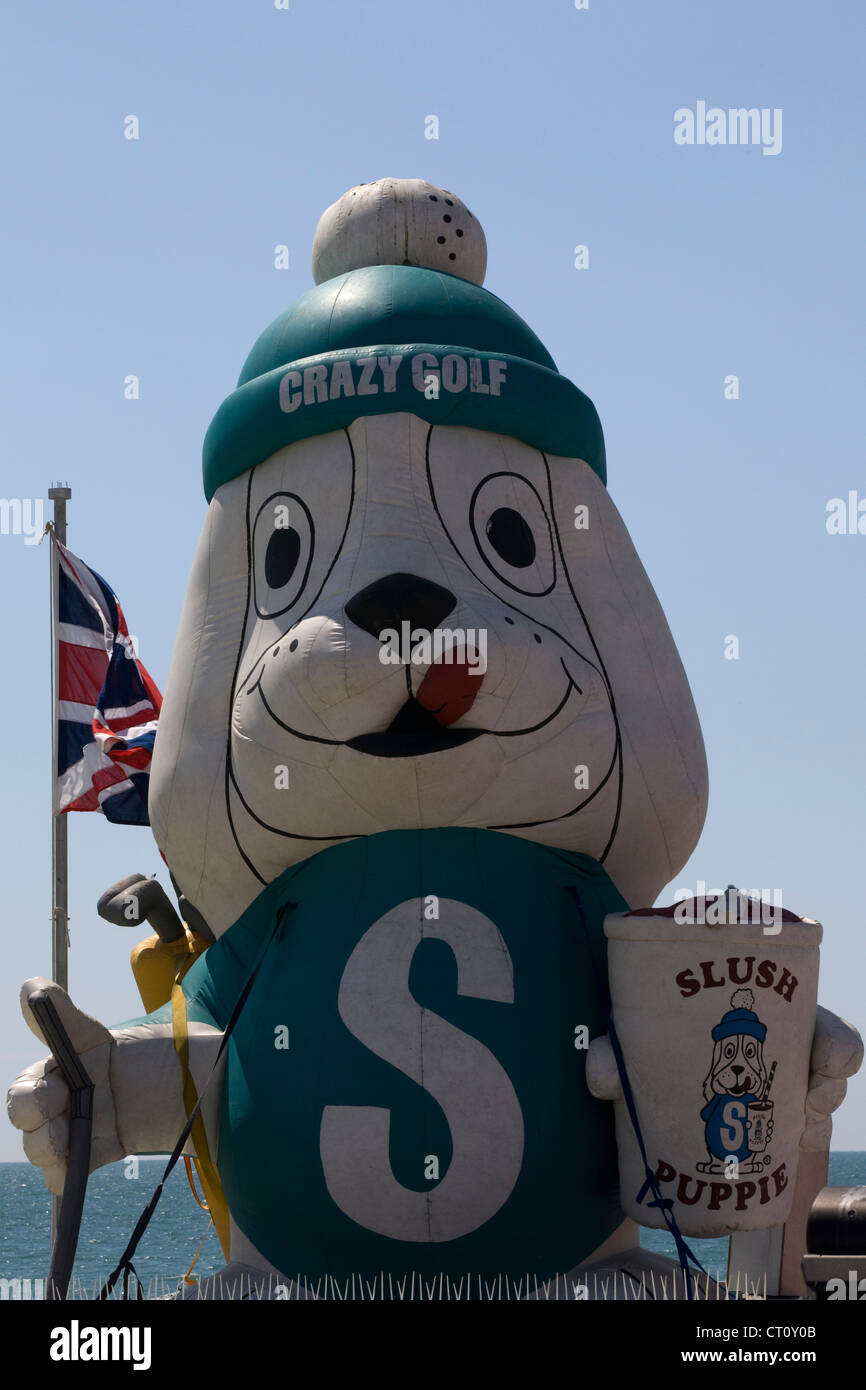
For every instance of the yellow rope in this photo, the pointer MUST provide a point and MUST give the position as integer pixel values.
(186, 1277)
(188, 1162)
(205, 1166)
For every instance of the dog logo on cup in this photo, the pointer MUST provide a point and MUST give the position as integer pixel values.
(738, 1115)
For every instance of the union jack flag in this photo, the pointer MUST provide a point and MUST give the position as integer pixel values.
(107, 704)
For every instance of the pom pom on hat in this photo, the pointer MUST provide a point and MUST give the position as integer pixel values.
(740, 1019)
(399, 222)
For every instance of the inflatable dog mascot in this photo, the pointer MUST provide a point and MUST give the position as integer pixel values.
(425, 726)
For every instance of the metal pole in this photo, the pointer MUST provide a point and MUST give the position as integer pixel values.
(59, 495)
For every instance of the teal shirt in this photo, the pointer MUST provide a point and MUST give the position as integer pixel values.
(290, 1187)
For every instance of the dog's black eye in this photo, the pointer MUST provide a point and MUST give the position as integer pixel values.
(283, 544)
(511, 528)
(281, 556)
(511, 538)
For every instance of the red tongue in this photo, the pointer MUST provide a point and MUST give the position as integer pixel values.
(448, 689)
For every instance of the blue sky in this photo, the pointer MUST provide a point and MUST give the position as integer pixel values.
(155, 257)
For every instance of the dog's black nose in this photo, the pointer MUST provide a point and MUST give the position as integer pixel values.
(737, 1070)
(400, 598)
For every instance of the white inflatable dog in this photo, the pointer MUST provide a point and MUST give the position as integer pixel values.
(425, 726)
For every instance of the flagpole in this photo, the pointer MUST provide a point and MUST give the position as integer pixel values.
(59, 495)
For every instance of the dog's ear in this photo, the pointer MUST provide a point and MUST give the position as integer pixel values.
(186, 799)
(708, 1081)
(188, 785)
(664, 793)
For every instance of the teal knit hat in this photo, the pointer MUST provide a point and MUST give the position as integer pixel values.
(385, 337)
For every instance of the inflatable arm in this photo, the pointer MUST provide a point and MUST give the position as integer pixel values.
(138, 1101)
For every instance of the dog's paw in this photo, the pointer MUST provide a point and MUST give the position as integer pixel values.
(38, 1099)
(837, 1052)
(602, 1074)
(837, 1048)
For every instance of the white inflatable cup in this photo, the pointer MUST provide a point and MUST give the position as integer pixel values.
(715, 1025)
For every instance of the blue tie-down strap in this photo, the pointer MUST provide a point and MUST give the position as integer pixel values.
(651, 1182)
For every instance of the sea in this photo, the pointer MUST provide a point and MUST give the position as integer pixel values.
(180, 1236)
